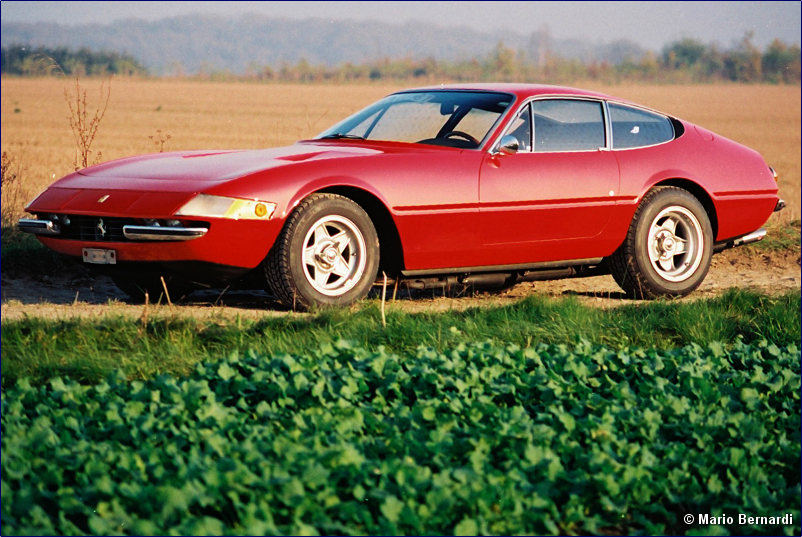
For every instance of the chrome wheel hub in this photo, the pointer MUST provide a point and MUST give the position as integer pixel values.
(326, 258)
(676, 244)
(334, 255)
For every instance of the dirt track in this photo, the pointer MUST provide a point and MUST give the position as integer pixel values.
(78, 293)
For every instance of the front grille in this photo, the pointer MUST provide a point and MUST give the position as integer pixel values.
(100, 229)
(92, 228)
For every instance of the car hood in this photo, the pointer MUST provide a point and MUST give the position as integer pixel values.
(193, 171)
(152, 185)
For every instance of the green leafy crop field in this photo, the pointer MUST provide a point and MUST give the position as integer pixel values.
(474, 438)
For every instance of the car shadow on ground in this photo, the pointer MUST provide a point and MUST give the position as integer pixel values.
(611, 295)
(84, 287)
(251, 299)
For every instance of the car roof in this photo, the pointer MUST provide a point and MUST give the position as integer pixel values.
(522, 91)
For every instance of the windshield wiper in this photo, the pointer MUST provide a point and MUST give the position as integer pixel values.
(340, 136)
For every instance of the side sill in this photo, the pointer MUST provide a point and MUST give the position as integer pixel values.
(502, 268)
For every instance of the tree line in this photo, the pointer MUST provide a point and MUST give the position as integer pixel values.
(27, 61)
(686, 60)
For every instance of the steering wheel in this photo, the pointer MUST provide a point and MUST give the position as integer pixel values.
(460, 134)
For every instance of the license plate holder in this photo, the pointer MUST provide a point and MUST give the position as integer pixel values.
(100, 256)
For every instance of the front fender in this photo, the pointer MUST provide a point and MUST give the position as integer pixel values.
(331, 182)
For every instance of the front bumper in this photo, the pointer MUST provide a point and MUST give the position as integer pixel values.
(232, 243)
(130, 232)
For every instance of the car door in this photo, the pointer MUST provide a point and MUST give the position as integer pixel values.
(552, 198)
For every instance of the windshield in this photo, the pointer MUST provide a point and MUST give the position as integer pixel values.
(450, 118)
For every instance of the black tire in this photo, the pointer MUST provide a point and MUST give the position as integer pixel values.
(327, 254)
(136, 285)
(668, 247)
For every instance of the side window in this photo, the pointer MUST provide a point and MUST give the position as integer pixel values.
(633, 127)
(568, 125)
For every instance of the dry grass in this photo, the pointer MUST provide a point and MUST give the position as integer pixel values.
(207, 115)
(11, 184)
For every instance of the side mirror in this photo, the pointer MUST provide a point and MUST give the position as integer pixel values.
(508, 145)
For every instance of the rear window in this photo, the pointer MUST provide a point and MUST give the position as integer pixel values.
(633, 127)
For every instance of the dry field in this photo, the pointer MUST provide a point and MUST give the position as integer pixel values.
(207, 115)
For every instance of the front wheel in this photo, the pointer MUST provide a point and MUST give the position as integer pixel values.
(326, 255)
(668, 246)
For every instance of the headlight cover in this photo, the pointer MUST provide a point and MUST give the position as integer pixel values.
(207, 206)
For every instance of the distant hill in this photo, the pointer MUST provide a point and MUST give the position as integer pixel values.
(190, 44)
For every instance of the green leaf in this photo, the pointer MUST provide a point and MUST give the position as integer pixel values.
(351, 455)
(467, 526)
(172, 500)
(391, 508)
(226, 372)
(714, 484)
(207, 526)
(567, 420)
(750, 397)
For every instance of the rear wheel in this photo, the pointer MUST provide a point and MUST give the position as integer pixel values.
(136, 285)
(326, 255)
(668, 246)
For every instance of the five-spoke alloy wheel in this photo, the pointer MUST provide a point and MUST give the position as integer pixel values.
(668, 247)
(327, 254)
(674, 241)
(333, 255)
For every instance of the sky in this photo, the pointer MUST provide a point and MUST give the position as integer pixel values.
(649, 24)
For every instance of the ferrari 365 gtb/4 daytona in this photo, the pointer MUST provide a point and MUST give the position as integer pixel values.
(480, 184)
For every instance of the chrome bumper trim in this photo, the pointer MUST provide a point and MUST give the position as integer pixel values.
(159, 233)
(749, 238)
(780, 206)
(38, 227)
(740, 241)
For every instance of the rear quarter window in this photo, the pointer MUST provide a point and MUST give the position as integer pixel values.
(633, 127)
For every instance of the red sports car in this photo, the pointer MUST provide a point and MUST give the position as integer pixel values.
(480, 184)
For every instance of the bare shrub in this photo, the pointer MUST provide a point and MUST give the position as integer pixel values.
(83, 124)
(11, 188)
